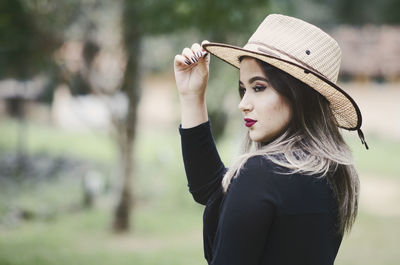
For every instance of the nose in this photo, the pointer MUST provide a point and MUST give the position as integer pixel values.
(245, 105)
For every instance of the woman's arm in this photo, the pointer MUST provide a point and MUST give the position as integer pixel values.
(193, 110)
(203, 166)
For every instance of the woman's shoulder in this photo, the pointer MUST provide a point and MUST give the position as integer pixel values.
(254, 182)
(262, 170)
(261, 175)
(265, 166)
(259, 172)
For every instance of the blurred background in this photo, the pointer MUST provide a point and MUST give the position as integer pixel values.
(91, 169)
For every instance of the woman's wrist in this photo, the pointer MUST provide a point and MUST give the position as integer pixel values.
(192, 98)
(193, 111)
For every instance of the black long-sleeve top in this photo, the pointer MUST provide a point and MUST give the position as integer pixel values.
(265, 217)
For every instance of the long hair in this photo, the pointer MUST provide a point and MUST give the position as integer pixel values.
(311, 144)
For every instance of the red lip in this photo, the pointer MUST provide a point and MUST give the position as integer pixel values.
(249, 122)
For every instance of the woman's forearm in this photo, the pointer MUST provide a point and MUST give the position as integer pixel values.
(193, 110)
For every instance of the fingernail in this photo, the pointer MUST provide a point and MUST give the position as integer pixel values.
(187, 62)
(204, 56)
(193, 59)
(199, 54)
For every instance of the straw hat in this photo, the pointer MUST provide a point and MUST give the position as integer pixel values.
(303, 51)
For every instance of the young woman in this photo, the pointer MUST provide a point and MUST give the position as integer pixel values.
(293, 193)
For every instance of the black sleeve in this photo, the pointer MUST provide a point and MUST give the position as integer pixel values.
(203, 165)
(249, 210)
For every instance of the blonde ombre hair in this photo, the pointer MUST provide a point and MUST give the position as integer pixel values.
(311, 144)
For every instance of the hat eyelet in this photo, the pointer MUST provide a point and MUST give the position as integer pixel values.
(308, 52)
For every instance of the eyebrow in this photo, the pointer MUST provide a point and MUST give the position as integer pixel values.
(251, 80)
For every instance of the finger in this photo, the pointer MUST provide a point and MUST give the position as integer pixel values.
(202, 43)
(188, 53)
(181, 61)
(196, 48)
(204, 52)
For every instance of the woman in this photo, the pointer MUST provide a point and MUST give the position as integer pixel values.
(290, 198)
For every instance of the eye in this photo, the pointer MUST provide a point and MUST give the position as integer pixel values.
(258, 88)
(242, 90)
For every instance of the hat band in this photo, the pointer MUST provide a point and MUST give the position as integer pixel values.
(286, 54)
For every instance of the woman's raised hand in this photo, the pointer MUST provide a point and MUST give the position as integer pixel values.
(191, 70)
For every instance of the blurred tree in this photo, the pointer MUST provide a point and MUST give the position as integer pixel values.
(24, 48)
(353, 12)
(390, 11)
(356, 12)
(28, 40)
(216, 19)
(30, 33)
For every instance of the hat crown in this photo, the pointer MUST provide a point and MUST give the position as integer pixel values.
(297, 41)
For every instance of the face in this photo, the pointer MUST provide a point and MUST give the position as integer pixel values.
(262, 103)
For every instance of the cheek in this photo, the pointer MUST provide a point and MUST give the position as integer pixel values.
(286, 113)
(272, 105)
(277, 109)
(284, 108)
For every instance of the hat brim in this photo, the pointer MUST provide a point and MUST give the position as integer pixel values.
(344, 108)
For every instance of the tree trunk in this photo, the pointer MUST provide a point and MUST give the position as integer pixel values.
(132, 40)
(123, 210)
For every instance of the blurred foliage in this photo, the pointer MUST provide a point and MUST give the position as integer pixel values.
(358, 12)
(158, 17)
(328, 12)
(21, 42)
(32, 29)
(30, 33)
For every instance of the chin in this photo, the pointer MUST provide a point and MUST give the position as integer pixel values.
(264, 139)
(259, 139)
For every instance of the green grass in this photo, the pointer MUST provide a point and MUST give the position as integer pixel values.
(166, 223)
(382, 157)
(95, 145)
(85, 238)
(373, 240)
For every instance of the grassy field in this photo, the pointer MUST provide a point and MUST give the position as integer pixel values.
(166, 224)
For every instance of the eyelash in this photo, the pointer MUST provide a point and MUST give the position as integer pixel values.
(242, 90)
